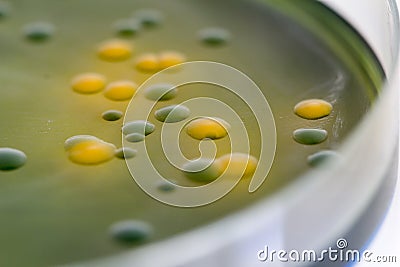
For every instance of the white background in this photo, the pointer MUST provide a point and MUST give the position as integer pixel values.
(387, 240)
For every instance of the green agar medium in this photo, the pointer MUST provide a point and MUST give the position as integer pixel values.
(11, 159)
(310, 136)
(173, 113)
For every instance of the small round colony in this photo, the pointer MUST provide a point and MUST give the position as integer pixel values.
(111, 115)
(310, 136)
(151, 62)
(207, 127)
(173, 113)
(321, 157)
(166, 186)
(313, 109)
(148, 62)
(88, 150)
(134, 137)
(202, 170)
(160, 92)
(73, 140)
(149, 17)
(127, 27)
(136, 131)
(38, 31)
(238, 164)
(130, 231)
(11, 159)
(120, 90)
(114, 50)
(170, 58)
(4, 9)
(139, 126)
(88, 83)
(214, 36)
(125, 153)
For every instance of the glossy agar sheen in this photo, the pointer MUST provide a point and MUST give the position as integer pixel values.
(240, 164)
(11, 159)
(120, 90)
(173, 113)
(160, 92)
(88, 83)
(313, 109)
(130, 231)
(203, 128)
(310, 136)
(115, 50)
(139, 126)
(112, 115)
(125, 153)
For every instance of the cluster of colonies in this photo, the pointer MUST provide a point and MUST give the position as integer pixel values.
(91, 150)
(88, 150)
(313, 109)
(202, 128)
